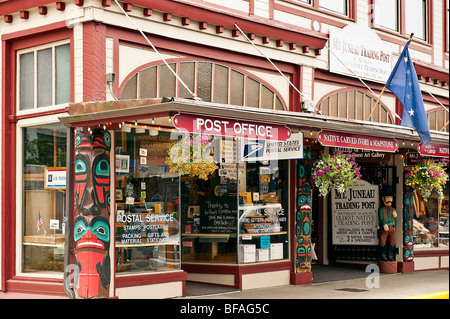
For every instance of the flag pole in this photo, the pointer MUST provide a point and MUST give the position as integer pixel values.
(378, 100)
(384, 88)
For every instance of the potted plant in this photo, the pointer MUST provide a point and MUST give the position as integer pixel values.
(427, 175)
(192, 156)
(339, 170)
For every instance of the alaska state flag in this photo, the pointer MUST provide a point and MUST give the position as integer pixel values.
(404, 84)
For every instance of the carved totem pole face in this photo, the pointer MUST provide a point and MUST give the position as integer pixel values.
(92, 210)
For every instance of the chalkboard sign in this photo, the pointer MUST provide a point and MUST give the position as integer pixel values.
(218, 215)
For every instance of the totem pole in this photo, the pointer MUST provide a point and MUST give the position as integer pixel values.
(91, 227)
(303, 217)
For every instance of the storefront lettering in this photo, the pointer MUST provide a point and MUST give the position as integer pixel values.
(347, 140)
(355, 215)
(229, 127)
(141, 228)
(220, 126)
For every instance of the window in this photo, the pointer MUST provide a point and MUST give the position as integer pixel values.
(147, 222)
(42, 196)
(238, 213)
(405, 17)
(339, 6)
(187, 197)
(431, 222)
(354, 105)
(229, 86)
(386, 14)
(43, 77)
(415, 18)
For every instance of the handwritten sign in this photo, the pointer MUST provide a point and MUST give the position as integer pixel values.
(218, 216)
(355, 215)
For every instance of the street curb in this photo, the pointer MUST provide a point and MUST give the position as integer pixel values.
(436, 295)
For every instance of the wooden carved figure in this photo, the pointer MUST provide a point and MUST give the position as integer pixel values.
(91, 231)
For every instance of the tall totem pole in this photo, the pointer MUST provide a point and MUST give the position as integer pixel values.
(91, 227)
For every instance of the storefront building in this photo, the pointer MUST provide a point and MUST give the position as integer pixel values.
(130, 170)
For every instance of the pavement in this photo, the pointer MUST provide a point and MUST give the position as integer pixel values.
(416, 285)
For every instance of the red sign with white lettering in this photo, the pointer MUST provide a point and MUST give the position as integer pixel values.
(438, 150)
(228, 127)
(356, 141)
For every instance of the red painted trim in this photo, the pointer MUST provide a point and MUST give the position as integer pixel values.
(29, 284)
(302, 278)
(11, 43)
(8, 164)
(431, 253)
(94, 62)
(292, 215)
(198, 11)
(187, 49)
(57, 30)
(12, 6)
(427, 71)
(405, 267)
(149, 279)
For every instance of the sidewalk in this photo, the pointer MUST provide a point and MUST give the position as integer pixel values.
(421, 285)
(417, 285)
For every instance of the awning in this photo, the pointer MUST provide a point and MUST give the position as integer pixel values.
(97, 113)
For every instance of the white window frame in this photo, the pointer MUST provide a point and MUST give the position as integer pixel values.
(24, 123)
(35, 49)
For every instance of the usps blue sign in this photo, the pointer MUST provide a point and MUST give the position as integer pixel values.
(266, 150)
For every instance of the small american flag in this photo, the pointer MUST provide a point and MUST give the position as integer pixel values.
(40, 221)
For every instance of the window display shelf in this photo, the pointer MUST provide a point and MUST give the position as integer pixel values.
(171, 242)
(264, 234)
(206, 235)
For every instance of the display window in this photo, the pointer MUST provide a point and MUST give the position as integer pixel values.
(192, 197)
(42, 183)
(238, 214)
(431, 221)
(147, 199)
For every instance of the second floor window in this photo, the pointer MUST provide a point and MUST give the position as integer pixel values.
(403, 17)
(43, 77)
(339, 6)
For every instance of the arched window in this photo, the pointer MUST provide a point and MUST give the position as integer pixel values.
(354, 105)
(437, 119)
(212, 82)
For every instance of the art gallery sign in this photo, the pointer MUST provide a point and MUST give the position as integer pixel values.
(358, 51)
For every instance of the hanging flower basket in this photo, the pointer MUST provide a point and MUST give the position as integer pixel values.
(339, 171)
(192, 156)
(427, 175)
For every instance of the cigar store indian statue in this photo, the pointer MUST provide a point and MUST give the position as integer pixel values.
(388, 221)
(91, 232)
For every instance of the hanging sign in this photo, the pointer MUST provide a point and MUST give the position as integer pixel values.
(266, 150)
(363, 142)
(355, 214)
(437, 150)
(228, 127)
(357, 51)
